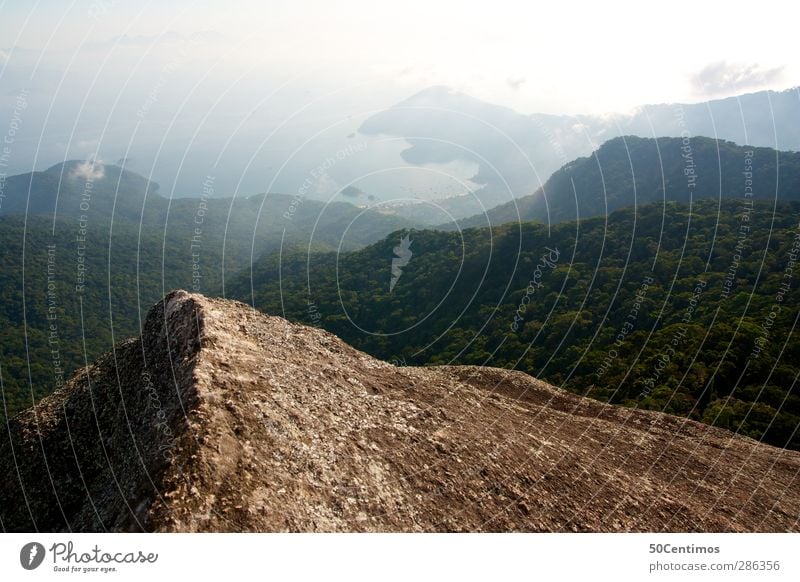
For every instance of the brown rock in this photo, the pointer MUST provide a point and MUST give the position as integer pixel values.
(220, 418)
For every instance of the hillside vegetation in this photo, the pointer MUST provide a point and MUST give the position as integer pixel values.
(685, 309)
(633, 171)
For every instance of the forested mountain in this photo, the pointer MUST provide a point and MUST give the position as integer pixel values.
(631, 171)
(243, 224)
(669, 306)
(515, 153)
(63, 305)
(690, 309)
(90, 276)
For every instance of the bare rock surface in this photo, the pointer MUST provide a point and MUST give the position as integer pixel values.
(220, 418)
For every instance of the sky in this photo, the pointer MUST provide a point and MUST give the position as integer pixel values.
(532, 56)
(169, 75)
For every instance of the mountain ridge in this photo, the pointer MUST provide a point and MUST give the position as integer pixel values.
(100, 192)
(516, 153)
(631, 171)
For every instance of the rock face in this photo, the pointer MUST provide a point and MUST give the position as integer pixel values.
(220, 418)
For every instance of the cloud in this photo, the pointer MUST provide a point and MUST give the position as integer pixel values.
(326, 186)
(4, 56)
(90, 170)
(516, 82)
(724, 77)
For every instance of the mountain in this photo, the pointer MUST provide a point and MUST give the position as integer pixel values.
(242, 226)
(114, 246)
(515, 153)
(219, 418)
(686, 309)
(79, 187)
(630, 171)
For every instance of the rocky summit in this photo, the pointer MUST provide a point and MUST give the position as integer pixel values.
(221, 418)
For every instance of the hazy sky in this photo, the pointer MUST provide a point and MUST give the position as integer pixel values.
(560, 56)
(179, 85)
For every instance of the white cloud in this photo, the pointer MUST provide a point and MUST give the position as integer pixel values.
(89, 170)
(722, 77)
(326, 186)
(516, 82)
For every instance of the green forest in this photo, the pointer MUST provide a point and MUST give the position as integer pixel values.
(685, 309)
(83, 261)
(686, 306)
(634, 171)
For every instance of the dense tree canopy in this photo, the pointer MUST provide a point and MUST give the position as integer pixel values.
(634, 171)
(686, 309)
